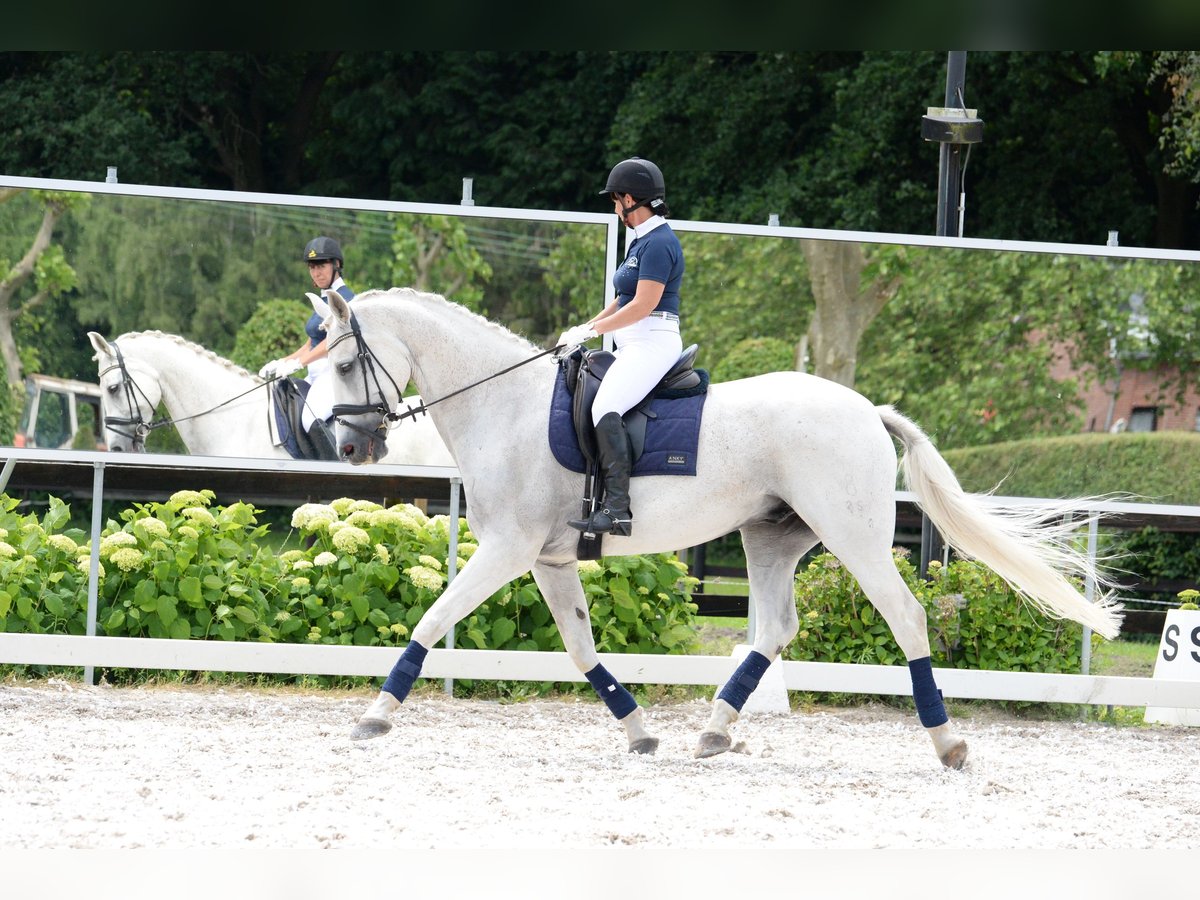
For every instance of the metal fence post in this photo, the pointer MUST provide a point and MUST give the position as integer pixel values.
(93, 601)
(452, 562)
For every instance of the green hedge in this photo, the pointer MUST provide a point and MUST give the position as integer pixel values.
(976, 621)
(1157, 467)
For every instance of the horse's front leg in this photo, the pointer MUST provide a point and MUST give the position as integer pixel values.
(493, 565)
(563, 592)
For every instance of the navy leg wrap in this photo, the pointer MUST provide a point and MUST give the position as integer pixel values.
(406, 670)
(619, 701)
(742, 683)
(926, 694)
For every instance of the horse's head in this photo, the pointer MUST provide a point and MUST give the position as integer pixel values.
(367, 381)
(130, 392)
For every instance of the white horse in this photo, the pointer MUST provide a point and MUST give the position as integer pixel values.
(219, 408)
(786, 458)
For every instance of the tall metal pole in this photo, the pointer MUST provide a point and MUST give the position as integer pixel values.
(950, 155)
(955, 128)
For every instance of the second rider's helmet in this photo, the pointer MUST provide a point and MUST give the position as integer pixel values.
(323, 249)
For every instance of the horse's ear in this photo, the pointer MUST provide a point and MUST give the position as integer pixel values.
(320, 307)
(336, 306)
(100, 344)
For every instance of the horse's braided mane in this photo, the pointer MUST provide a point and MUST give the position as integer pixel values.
(438, 300)
(189, 345)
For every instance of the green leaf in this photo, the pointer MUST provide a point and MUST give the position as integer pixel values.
(502, 632)
(361, 607)
(180, 630)
(189, 590)
(213, 582)
(166, 610)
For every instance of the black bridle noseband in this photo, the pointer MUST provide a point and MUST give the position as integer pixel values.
(367, 361)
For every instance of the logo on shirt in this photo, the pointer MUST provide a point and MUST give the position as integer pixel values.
(631, 262)
(676, 459)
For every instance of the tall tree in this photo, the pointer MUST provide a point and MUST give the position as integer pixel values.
(41, 265)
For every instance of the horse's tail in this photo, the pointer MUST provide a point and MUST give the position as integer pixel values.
(1028, 549)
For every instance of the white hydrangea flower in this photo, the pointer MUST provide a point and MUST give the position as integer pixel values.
(84, 563)
(311, 516)
(381, 553)
(301, 564)
(7, 550)
(388, 518)
(359, 517)
(589, 567)
(191, 498)
(189, 532)
(127, 558)
(199, 514)
(342, 505)
(290, 556)
(351, 539)
(63, 544)
(411, 511)
(325, 558)
(426, 560)
(300, 582)
(112, 543)
(467, 548)
(154, 526)
(365, 506)
(425, 577)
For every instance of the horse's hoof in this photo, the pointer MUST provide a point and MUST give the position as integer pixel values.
(365, 729)
(644, 745)
(955, 756)
(712, 744)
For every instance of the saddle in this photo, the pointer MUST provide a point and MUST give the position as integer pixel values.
(583, 371)
(315, 443)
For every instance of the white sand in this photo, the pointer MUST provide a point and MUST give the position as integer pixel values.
(213, 768)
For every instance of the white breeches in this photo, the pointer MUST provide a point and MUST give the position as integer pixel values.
(646, 350)
(319, 404)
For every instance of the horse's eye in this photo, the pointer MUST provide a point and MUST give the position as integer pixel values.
(112, 388)
(344, 368)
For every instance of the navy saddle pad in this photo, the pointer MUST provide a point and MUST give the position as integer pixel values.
(671, 434)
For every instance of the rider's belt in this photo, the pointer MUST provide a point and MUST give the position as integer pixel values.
(663, 314)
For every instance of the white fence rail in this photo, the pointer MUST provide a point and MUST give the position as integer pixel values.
(631, 668)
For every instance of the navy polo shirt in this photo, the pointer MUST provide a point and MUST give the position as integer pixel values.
(655, 255)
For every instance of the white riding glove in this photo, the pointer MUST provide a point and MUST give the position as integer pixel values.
(572, 337)
(279, 368)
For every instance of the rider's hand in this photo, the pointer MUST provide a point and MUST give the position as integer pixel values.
(576, 335)
(279, 368)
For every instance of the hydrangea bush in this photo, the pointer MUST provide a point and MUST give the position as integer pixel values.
(42, 588)
(181, 569)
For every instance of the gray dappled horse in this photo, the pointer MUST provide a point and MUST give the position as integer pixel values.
(788, 459)
(220, 408)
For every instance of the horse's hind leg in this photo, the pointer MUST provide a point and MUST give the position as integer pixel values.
(563, 591)
(881, 582)
(773, 549)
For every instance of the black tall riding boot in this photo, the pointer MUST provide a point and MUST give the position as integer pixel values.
(613, 515)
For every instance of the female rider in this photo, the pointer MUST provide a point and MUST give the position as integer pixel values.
(643, 318)
(324, 258)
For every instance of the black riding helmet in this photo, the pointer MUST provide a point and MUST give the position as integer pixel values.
(323, 249)
(642, 180)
